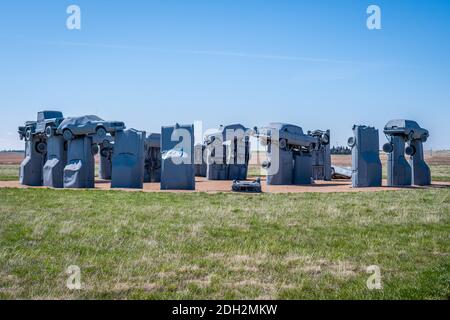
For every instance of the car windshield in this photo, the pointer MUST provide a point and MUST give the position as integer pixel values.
(92, 118)
(43, 115)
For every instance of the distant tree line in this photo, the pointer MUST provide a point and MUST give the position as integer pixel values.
(341, 150)
(4, 151)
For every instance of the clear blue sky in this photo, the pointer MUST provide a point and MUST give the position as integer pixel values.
(153, 63)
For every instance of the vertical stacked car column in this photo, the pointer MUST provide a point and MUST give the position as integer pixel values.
(31, 167)
(128, 159)
(56, 159)
(400, 171)
(106, 152)
(152, 172)
(44, 151)
(177, 152)
(228, 153)
(289, 154)
(366, 164)
(321, 155)
(80, 169)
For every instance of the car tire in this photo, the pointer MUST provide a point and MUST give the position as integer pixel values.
(325, 139)
(101, 132)
(49, 132)
(410, 151)
(41, 147)
(266, 165)
(283, 144)
(388, 147)
(67, 135)
(104, 152)
(28, 135)
(351, 142)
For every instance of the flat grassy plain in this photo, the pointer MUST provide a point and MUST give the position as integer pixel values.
(9, 172)
(440, 172)
(231, 246)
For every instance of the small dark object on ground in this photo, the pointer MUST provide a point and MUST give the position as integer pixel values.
(247, 186)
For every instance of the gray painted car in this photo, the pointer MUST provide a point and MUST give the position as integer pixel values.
(341, 172)
(247, 186)
(88, 125)
(48, 121)
(406, 128)
(27, 131)
(290, 136)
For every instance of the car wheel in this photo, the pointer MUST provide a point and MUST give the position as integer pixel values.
(28, 134)
(67, 135)
(325, 139)
(351, 142)
(101, 132)
(283, 143)
(41, 147)
(410, 150)
(388, 147)
(49, 132)
(266, 164)
(104, 152)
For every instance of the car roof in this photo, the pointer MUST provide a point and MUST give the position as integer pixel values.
(76, 121)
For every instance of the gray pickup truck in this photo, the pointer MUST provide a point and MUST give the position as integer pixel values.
(47, 122)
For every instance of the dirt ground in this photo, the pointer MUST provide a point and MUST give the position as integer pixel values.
(203, 185)
(11, 157)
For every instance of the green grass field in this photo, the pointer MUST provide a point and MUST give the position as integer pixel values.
(192, 246)
(440, 172)
(9, 172)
